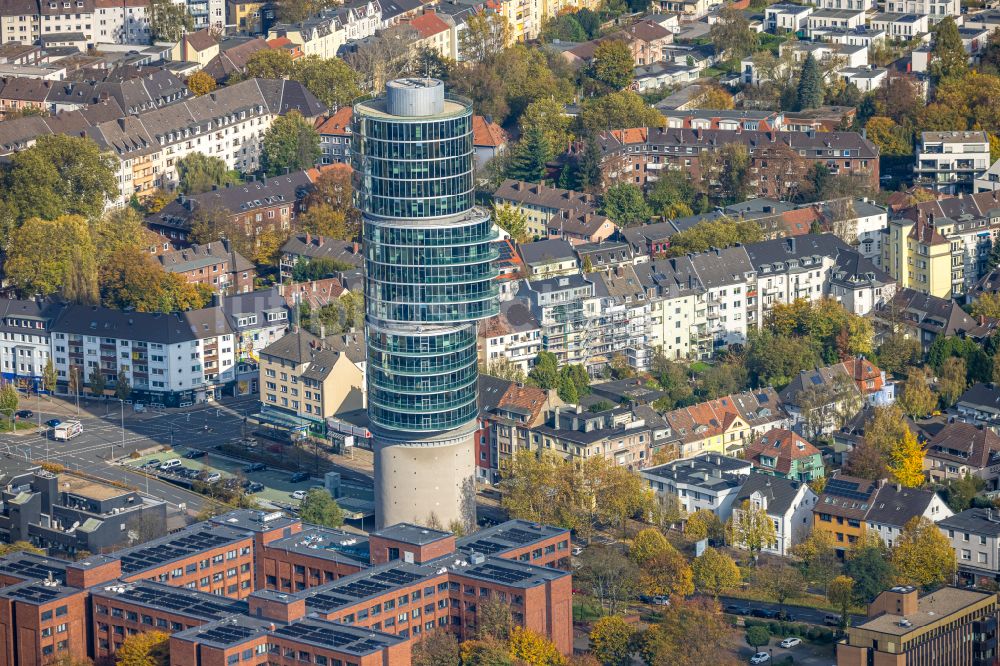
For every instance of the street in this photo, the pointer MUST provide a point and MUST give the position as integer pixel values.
(104, 438)
(799, 613)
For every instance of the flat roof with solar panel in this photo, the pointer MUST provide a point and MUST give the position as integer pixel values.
(37, 592)
(412, 534)
(194, 540)
(180, 600)
(508, 572)
(30, 566)
(508, 536)
(231, 631)
(348, 639)
(327, 544)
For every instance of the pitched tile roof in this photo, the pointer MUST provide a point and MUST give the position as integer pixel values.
(782, 445)
(336, 124)
(965, 443)
(487, 133)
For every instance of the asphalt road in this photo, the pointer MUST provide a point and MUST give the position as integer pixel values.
(103, 436)
(800, 613)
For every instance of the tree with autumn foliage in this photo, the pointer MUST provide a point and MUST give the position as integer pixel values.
(690, 632)
(150, 648)
(916, 398)
(703, 524)
(533, 648)
(611, 641)
(201, 83)
(923, 556)
(906, 460)
(840, 593)
(751, 528)
(715, 572)
(662, 569)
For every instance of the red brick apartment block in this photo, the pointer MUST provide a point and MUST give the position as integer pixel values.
(249, 588)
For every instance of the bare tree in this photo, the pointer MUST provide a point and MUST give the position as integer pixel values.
(384, 57)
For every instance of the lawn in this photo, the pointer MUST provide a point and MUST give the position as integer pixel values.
(18, 425)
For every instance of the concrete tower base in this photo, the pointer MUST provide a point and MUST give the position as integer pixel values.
(425, 481)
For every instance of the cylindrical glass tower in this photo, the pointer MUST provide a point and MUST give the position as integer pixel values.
(429, 278)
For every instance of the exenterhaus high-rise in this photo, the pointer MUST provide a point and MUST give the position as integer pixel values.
(429, 278)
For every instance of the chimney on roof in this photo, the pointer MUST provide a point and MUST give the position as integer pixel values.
(309, 238)
(355, 247)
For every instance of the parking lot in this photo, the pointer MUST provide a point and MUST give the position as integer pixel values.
(278, 485)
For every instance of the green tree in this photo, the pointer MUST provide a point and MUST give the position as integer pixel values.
(494, 619)
(512, 220)
(150, 648)
(49, 376)
(123, 389)
(270, 64)
(952, 380)
(623, 203)
(564, 28)
(319, 508)
(758, 635)
(290, 144)
(168, 21)
(959, 493)
(47, 256)
(9, 399)
(948, 56)
(674, 195)
(530, 156)
(567, 390)
(590, 174)
(331, 80)
(840, 593)
(715, 572)
(197, 173)
(734, 174)
(612, 64)
(819, 555)
(610, 577)
(722, 232)
(923, 556)
(96, 381)
(548, 115)
(809, 94)
(731, 34)
(545, 371)
(611, 641)
(60, 175)
(898, 352)
(870, 566)
(201, 83)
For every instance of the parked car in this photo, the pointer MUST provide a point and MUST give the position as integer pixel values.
(766, 613)
(831, 620)
(170, 464)
(213, 477)
(254, 487)
(577, 550)
(24, 414)
(298, 477)
(195, 453)
(734, 609)
(255, 467)
(646, 598)
(151, 464)
(760, 658)
(299, 495)
(188, 472)
(790, 642)
(661, 600)
(52, 423)
(785, 616)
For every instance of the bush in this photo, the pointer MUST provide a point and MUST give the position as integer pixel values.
(813, 633)
(775, 627)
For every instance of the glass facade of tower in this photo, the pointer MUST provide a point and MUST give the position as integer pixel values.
(428, 260)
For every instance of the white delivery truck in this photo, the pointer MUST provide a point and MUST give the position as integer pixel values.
(67, 430)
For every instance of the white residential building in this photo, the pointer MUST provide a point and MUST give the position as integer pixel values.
(835, 18)
(25, 339)
(975, 536)
(893, 506)
(514, 335)
(857, 5)
(170, 359)
(901, 27)
(935, 10)
(782, 17)
(709, 481)
(121, 21)
(989, 180)
(950, 161)
(788, 503)
(866, 79)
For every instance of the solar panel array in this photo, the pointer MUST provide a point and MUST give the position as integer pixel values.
(30, 569)
(184, 603)
(35, 593)
(227, 634)
(499, 574)
(842, 488)
(331, 636)
(175, 548)
(484, 546)
(505, 251)
(518, 536)
(326, 602)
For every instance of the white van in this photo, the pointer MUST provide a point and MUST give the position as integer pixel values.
(170, 464)
(67, 430)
